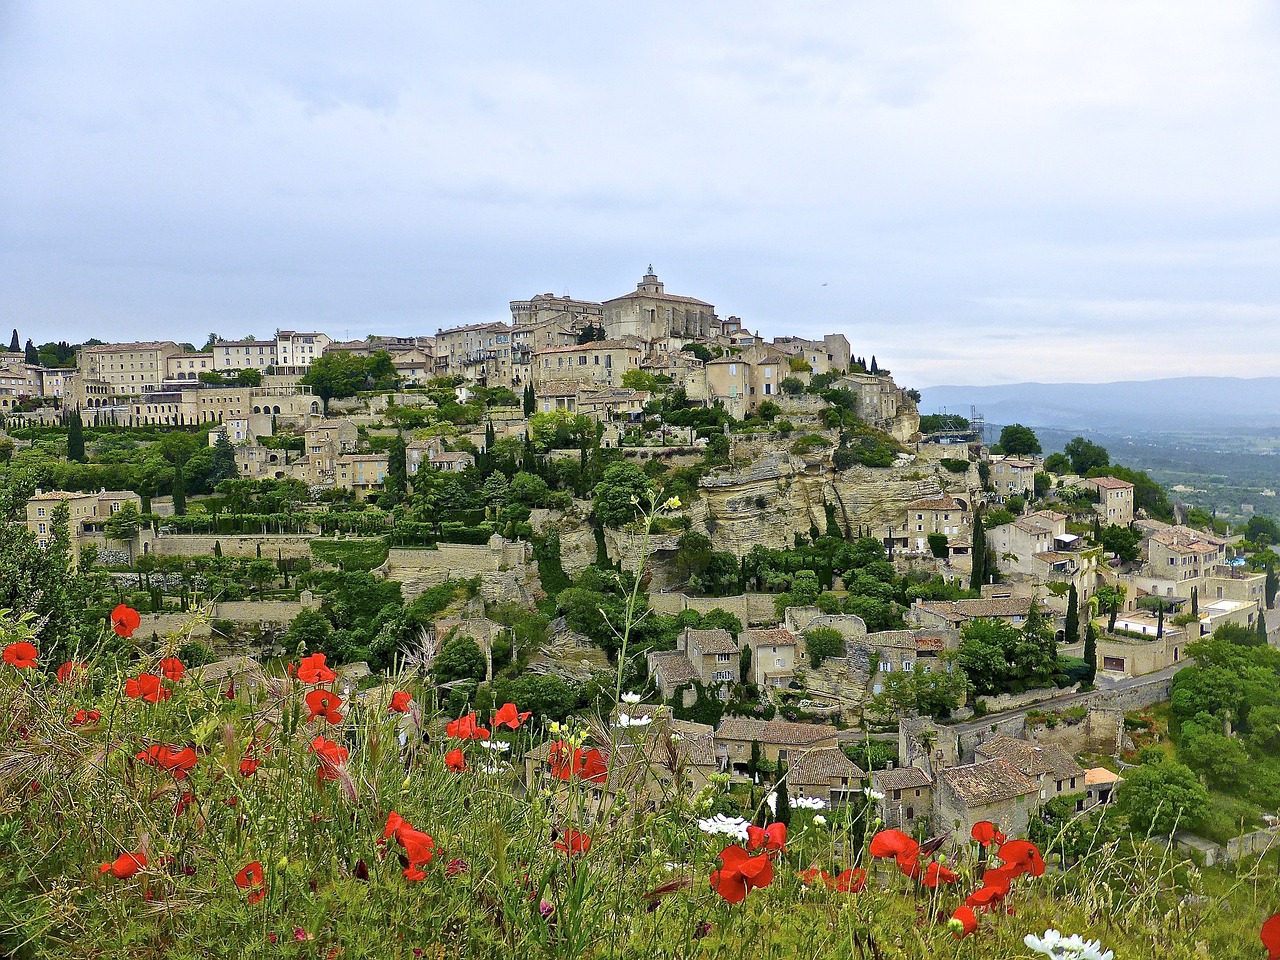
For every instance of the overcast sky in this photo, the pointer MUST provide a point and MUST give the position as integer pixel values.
(973, 192)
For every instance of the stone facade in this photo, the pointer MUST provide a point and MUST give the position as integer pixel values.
(650, 313)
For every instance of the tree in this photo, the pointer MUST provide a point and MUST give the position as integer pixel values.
(1091, 650)
(621, 494)
(1018, 440)
(744, 664)
(260, 573)
(1159, 797)
(1110, 597)
(124, 524)
(1057, 463)
(938, 545)
(1262, 626)
(396, 482)
(1085, 455)
(310, 631)
(1262, 530)
(978, 555)
(1272, 583)
(335, 376)
(530, 401)
(1122, 541)
(782, 808)
(75, 437)
(224, 460)
(15, 344)
(1072, 624)
(823, 642)
(459, 659)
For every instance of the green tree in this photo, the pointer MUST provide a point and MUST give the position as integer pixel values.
(396, 482)
(335, 376)
(530, 401)
(1085, 455)
(782, 808)
(1262, 530)
(261, 573)
(123, 525)
(459, 659)
(1057, 463)
(744, 664)
(1124, 542)
(1091, 650)
(1019, 441)
(619, 496)
(15, 344)
(1072, 624)
(224, 460)
(1272, 584)
(978, 555)
(75, 437)
(938, 545)
(821, 643)
(310, 631)
(1159, 797)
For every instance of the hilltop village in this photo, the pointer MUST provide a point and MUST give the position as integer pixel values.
(806, 586)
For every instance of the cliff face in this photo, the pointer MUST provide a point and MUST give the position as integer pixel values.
(780, 494)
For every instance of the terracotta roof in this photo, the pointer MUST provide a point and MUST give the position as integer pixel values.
(717, 640)
(900, 778)
(944, 502)
(675, 667)
(958, 611)
(773, 637)
(1099, 776)
(773, 731)
(822, 764)
(1111, 483)
(1033, 759)
(986, 782)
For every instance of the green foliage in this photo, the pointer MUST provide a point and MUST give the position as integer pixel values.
(821, 643)
(942, 423)
(1085, 456)
(938, 545)
(954, 464)
(809, 443)
(1072, 624)
(998, 657)
(1057, 464)
(459, 659)
(1124, 542)
(351, 554)
(1019, 441)
(1159, 797)
(622, 492)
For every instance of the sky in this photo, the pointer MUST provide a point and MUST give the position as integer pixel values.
(973, 192)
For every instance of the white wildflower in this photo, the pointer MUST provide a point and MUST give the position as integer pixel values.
(728, 826)
(631, 698)
(625, 720)
(809, 803)
(772, 801)
(499, 745)
(1058, 947)
(820, 820)
(873, 794)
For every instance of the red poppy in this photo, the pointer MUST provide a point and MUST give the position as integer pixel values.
(172, 668)
(399, 702)
(847, 881)
(419, 848)
(574, 843)
(125, 865)
(985, 832)
(249, 765)
(909, 864)
(21, 654)
(466, 728)
(250, 878)
(1023, 856)
(85, 716)
(893, 843)
(71, 672)
(812, 875)
(1270, 935)
(184, 801)
(772, 837)
(740, 873)
(324, 704)
(508, 716)
(231, 691)
(455, 760)
(963, 922)
(312, 670)
(178, 762)
(331, 757)
(936, 873)
(146, 686)
(125, 620)
(586, 765)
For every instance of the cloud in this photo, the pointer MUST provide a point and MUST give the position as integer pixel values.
(980, 186)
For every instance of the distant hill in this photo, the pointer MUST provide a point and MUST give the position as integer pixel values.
(1182, 404)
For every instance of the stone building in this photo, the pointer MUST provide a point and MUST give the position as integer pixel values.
(243, 354)
(296, 351)
(907, 796)
(1013, 476)
(600, 363)
(188, 366)
(992, 790)
(126, 369)
(780, 741)
(650, 313)
(1056, 771)
(941, 513)
(1115, 499)
(825, 774)
(87, 513)
(775, 653)
(480, 352)
(831, 353)
(546, 307)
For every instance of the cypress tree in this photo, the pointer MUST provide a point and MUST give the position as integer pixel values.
(979, 552)
(1195, 601)
(1160, 622)
(1272, 583)
(75, 437)
(217, 549)
(1073, 615)
(1262, 625)
(753, 766)
(179, 491)
(33, 355)
(1091, 650)
(15, 345)
(530, 400)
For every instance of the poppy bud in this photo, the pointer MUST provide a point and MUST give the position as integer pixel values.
(282, 863)
(362, 870)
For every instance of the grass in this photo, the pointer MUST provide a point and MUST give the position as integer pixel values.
(73, 797)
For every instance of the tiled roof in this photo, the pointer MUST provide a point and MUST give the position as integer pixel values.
(960, 610)
(1111, 483)
(1099, 776)
(1033, 759)
(900, 778)
(773, 731)
(944, 502)
(640, 294)
(822, 764)
(674, 667)
(772, 637)
(989, 781)
(717, 640)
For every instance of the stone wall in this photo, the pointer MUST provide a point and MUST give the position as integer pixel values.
(196, 545)
(508, 563)
(1012, 701)
(196, 623)
(1253, 844)
(1101, 731)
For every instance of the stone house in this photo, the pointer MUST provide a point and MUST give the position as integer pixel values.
(825, 774)
(829, 354)
(1115, 499)
(478, 352)
(431, 455)
(775, 653)
(780, 741)
(940, 614)
(1056, 770)
(992, 790)
(599, 363)
(1100, 784)
(670, 670)
(942, 514)
(127, 369)
(907, 796)
(362, 473)
(188, 366)
(1013, 476)
(243, 355)
(87, 513)
(713, 654)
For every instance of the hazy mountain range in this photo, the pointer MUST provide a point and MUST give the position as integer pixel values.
(1182, 404)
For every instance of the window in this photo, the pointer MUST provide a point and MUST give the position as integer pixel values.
(733, 369)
